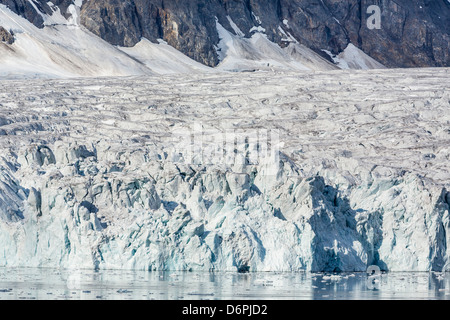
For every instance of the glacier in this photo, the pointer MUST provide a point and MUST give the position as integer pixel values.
(94, 174)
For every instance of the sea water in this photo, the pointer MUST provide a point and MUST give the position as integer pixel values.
(49, 284)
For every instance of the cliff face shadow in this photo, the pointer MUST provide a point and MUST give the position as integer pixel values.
(438, 253)
(337, 227)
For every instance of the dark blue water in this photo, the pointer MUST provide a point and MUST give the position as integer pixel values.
(47, 284)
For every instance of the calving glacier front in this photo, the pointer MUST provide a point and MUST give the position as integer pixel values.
(72, 208)
(90, 176)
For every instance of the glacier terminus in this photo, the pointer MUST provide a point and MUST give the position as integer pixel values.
(93, 174)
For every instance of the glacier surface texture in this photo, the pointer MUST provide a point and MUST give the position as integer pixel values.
(94, 172)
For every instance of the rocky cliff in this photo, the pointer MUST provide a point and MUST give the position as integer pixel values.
(411, 33)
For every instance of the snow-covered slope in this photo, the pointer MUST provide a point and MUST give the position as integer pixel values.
(63, 48)
(59, 50)
(164, 59)
(99, 173)
(238, 53)
(354, 58)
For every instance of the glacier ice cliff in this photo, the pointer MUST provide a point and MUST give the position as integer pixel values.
(90, 178)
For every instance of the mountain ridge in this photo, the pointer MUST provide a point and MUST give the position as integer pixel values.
(411, 35)
(63, 48)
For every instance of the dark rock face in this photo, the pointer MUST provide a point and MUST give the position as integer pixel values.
(412, 33)
(6, 36)
(25, 9)
(189, 26)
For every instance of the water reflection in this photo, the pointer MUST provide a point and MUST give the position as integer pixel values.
(47, 284)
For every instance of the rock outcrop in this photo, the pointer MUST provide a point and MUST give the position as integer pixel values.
(6, 36)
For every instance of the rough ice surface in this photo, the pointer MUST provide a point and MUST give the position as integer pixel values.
(92, 177)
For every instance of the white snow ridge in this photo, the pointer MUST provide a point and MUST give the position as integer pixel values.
(100, 173)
